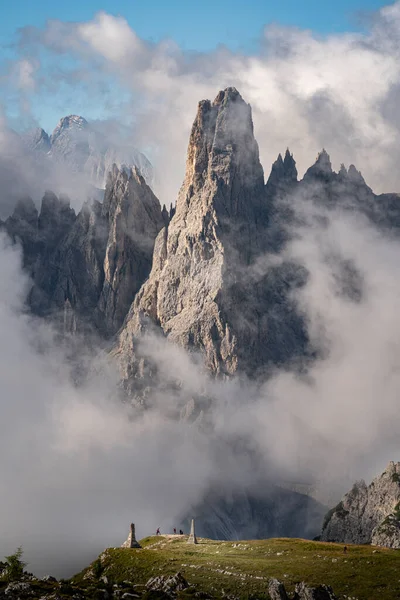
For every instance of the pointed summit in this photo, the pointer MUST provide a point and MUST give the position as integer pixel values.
(134, 219)
(25, 210)
(223, 152)
(70, 122)
(342, 173)
(289, 165)
(200, 285)
(355, 176)
(321, 169)
(56, 217)
(283, 175)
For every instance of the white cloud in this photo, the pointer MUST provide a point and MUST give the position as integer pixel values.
(26, 70)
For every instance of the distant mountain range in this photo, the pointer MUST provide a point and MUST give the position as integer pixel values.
(80, 147)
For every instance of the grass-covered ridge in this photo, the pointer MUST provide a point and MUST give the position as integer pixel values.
(244, 568)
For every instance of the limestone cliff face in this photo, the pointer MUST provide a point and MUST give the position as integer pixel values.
(22, 226)
(86, 269)
(71, 276)
(134, 216)
(368, 513)
(205, 290)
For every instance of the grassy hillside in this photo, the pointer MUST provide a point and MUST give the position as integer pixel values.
(243, 568)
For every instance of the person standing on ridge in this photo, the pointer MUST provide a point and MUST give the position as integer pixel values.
(158, 531)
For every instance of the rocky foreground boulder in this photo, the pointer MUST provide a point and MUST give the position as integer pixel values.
(277, 591)
(368, 514)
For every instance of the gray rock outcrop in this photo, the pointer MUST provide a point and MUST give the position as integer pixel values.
(87, 268)
(368, 514)
(387, 533)
(276, 590)
(134, 217)
(169, 584)
(321, 592)
(205, 290)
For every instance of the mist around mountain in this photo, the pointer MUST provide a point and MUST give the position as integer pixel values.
(73, 160)
(83, 148)
(221, 358)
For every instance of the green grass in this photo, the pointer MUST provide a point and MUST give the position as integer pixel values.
(244, 568)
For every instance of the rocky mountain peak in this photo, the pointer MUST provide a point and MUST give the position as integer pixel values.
(322, 168)
(70, 122)
(289, 165)
(223, 157)
(37, 140)
(25, 210)
(355, 176)
(134, 219)
(55, 218)
(201, 281)
(368, 514)
(283, 174)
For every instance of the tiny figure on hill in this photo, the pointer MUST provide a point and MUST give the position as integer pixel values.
(174, 530)
(180, 532)
(345, 550)
(158, 531)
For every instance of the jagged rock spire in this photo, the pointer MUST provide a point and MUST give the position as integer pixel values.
(289, 166)
(223, 154)
(355, 176)
(192, 539)
(321, 170)
(135, 218)
(56, 217)
(200, 285)
(218, 228)
(367, 514)
(25, 210)
(165, 215)
(283, 175)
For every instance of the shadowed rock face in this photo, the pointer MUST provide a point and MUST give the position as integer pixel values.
(205, 290)
(266, 513)
(368, 513)
(86, 269)
(134, 216)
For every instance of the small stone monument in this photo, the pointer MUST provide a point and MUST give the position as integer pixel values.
(131, 542)
(192, 539)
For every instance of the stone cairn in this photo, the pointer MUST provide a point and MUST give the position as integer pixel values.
(192, 539)
(131, 542)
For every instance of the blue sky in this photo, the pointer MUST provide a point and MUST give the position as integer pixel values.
(197, 25)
